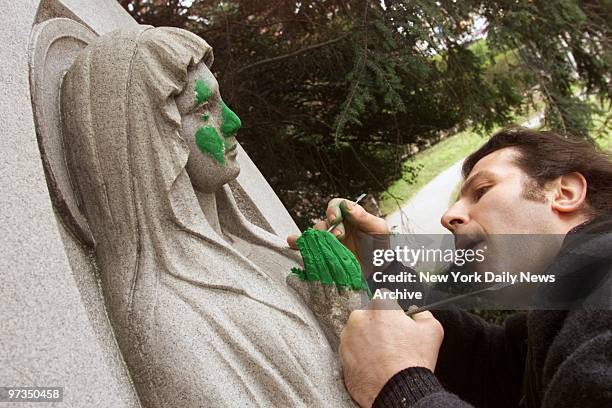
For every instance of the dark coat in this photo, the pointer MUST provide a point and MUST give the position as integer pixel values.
(542, 358)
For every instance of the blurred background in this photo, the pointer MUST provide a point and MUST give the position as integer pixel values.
(382, 96)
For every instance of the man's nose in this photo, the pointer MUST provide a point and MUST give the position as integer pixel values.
(455, 216)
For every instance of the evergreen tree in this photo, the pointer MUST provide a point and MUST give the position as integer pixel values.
(333, 93)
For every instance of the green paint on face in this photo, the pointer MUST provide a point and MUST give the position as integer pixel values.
(328, 261)
(205, 117)
(202, 91)
(209, 142)
(231, 121)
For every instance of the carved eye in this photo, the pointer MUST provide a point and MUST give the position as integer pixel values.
(202, 107)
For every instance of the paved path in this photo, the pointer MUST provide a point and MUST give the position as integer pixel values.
(422, 213)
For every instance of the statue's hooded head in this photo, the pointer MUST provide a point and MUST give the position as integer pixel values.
(139, 108)
(144, 128)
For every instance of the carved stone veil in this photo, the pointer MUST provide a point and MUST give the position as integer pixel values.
(201, 319)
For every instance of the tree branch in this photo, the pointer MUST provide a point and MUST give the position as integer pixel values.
(291, 54)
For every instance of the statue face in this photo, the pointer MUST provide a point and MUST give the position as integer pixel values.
(209, 127)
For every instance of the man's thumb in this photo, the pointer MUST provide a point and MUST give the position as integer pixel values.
(365, 221)
(422, 315)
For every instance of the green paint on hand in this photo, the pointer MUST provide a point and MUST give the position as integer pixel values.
(328, 261)
(202, 91)
(231, 121)
(209, 142)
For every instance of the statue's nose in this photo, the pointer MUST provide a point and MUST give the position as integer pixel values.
(231, 121)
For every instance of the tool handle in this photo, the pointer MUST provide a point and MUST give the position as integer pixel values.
(410, 312)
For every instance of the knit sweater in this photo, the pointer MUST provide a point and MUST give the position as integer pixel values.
(542, 358)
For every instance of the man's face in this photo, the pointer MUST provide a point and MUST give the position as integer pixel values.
(497, 202)
(493, 201)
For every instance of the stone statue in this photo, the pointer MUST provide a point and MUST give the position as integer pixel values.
(196, 293)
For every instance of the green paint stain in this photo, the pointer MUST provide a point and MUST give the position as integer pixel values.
(209, 142)
(205, 117)
(231, 121)
(202, 91)
(328, 261)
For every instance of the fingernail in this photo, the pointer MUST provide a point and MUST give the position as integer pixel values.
(340, 229)
(348, 206)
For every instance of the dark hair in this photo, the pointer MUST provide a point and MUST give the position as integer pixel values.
(545, 155)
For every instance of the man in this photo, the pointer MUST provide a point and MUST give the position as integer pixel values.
(520, 181)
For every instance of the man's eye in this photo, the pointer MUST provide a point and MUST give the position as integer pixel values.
(479, 192)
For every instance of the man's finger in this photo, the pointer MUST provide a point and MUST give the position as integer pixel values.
(422, 316)
(321, 225)
(339, 231)
(333, 210)
(385, 303)
(365, 221)
(292, 241)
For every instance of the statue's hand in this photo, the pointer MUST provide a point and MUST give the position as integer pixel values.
(331, 282)
(351, 222)
(330, 306)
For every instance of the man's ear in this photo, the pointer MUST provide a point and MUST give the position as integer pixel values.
(570, 193)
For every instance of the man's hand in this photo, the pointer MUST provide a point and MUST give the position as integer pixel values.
(381, 341)
(353, 221)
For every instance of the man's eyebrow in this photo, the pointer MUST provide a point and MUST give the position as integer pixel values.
(468, 183)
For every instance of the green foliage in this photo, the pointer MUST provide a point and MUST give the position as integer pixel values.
(562, 44)
(601, 123)
(426, 165)
(332, 93)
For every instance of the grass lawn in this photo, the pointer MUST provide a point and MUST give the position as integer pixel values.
(432, 162)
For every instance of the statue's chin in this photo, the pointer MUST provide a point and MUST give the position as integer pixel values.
(233, 169)
(215, 180)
